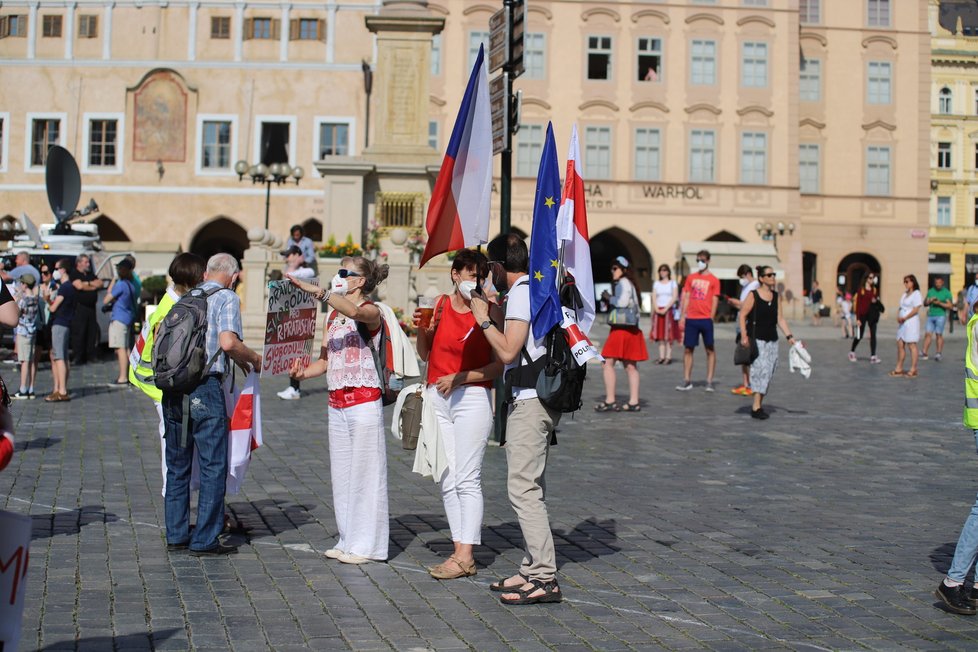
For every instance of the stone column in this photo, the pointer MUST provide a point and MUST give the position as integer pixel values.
(239, 10)
(70, 30)
(257, 262)
(192, 31)
(404, 29)
(284, 33)
(32, 29)
(107, 31)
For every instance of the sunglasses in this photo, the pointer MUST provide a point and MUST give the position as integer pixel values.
(345, 273)
(767, 275)
(45, 271)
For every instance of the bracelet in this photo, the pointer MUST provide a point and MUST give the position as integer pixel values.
(323, 295)
(790, 337)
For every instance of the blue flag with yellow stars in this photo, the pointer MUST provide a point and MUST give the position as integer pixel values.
(544, 299)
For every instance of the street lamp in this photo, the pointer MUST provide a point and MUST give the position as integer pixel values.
(769, 231)
(277, 173)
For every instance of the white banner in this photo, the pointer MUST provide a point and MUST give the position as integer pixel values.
(15, 541)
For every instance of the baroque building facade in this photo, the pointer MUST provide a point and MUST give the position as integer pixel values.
(700, 121)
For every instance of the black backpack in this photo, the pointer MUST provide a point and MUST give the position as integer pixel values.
(557, 377)
(179, 348)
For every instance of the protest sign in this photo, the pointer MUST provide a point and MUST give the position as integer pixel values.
(15, 540)
(290, 327)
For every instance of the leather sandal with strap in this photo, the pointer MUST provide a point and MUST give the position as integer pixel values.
(502, 587)
(551, 593)
(452, 568)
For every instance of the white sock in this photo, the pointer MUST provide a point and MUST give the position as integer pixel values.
(951, 583)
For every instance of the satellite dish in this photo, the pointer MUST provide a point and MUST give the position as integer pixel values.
(63, 182)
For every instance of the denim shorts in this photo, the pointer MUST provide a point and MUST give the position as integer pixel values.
(59, 342)
(935, 324)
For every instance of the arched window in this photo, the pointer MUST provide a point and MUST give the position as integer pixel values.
(944, 101)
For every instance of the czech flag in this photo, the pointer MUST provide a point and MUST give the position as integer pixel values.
(572, 230)
(544, 259)
(458, 215)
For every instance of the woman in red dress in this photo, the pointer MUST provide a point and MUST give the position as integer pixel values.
(625, 343)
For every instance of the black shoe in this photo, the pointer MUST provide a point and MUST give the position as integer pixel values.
(177, 546)
(759, 414)
(972, 597)
(219, 549)
(954, 598)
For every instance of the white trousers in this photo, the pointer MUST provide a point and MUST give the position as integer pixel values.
(358, 469)
(464, 420)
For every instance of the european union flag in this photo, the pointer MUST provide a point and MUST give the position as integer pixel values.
(544, 299)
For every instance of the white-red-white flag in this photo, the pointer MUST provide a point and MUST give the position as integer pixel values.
(245, 433)
(579, 344)
(572, 229)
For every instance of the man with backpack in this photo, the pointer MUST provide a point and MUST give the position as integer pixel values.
(194, 405)
(531, 424)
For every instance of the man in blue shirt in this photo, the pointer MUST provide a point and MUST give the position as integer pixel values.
(207, 422)
(22, 262)
(298, 238)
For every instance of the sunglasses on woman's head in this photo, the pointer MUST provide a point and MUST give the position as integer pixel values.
(346, 272)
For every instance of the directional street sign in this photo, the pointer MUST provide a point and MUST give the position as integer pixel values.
(499, 39)
(499, 109)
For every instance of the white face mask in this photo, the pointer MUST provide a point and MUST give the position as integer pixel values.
(743, 282)
(339, 285)
(465, 288)
(57, 275)
(701, 265)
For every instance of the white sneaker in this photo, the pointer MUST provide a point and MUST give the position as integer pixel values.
(333, 553)
(875, 359)
(289, 394)
(852, 356)
(938, 357)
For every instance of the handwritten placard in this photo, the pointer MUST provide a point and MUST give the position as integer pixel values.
(15, 540)
(290, 328)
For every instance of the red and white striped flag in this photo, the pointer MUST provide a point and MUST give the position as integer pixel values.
(572, 229)
(245, 433)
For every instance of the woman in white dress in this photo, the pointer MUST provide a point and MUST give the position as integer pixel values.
(908, 334)
(665, 330)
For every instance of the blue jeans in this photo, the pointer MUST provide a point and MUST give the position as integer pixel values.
(208, 435)
(967, 549)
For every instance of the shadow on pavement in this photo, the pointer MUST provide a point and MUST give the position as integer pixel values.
(68, 523)
(269, 517)
(588, 540)
(128, 642)
(37, 442)
(940, 557)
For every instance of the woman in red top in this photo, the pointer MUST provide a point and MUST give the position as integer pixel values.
(866, 307)
(461, 367)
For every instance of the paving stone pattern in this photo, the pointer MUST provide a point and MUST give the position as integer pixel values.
(686, 526)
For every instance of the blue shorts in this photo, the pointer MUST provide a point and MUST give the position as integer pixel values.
(935, 324)
(694, 327)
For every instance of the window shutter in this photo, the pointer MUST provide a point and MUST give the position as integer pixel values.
(294, 29)
(22, 26)
(276, 28)
(249, 29)
(321, 30)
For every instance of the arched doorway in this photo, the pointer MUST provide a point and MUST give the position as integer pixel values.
(614, 242)
(109, 231)
(313, 229)
(220, 235)
(853, 269)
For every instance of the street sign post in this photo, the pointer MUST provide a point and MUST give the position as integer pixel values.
(499, 39)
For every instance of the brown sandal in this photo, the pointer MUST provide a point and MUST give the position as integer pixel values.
(444, 570)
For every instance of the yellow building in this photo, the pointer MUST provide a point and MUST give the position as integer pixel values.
(698, 121)
(954, 142)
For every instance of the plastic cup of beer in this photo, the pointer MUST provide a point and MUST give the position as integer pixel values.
(427, 307)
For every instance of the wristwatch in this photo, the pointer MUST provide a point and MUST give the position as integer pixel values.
(486, 324)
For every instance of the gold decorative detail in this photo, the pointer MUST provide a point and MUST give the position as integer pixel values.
(400, 209)
(713, 18)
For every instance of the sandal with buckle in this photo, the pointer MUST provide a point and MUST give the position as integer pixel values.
(604, 406)
(443, 572)
(630, 407)
(502, 587)
(897, 374)
(910, 374)
(551, 593)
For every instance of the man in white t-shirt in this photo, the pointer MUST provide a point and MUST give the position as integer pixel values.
(531, 424)
(747, 285)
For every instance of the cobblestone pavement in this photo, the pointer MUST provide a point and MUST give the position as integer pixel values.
(686, 526)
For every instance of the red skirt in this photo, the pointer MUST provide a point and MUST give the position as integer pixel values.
(664, 328)
(625, 343)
